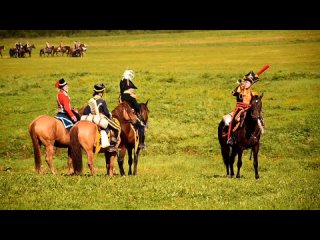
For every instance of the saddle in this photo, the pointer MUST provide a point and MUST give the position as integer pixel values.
(239, 118)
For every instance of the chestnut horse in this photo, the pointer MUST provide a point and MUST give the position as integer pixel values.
(130, 142)
(50, 132)
(247, 136)
(85, 134)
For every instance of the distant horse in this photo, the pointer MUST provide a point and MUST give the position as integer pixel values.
(1, 50)
(28, 49)
(85, 134)
(65, 49)
(79, 52)
(14, 52)
(247, 136)
(50, 132)
(129, 142)
(47, 51)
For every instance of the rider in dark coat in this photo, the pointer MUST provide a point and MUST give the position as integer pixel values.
(127, 93)
(97, 103)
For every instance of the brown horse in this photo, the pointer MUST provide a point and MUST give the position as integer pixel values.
(247, 136)
(28, 49)
(1, 50)
(47, 51)
(85, 134)
(130, 142)
(50, 132)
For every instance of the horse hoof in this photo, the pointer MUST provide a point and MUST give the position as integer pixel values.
(257, 176)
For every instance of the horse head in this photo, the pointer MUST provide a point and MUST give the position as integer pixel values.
(256, 106)
(124, 113)
(144, 112)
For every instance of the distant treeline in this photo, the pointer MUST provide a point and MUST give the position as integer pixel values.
(71, 33)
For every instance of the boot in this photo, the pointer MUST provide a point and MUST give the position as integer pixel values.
(104, 139)
(113, 145)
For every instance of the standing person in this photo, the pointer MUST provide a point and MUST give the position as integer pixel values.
(65, 110)
(98, 106)
(127, 93)
(243, 93)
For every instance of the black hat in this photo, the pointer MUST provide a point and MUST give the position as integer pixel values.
(130, 84)
(99, 87)
(61, 83)
(251, 77)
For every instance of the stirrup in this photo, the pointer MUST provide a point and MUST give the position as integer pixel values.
(230, 141)
(142, 145)
(112, 148)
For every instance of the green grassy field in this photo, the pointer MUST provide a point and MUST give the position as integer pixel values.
(188, 78)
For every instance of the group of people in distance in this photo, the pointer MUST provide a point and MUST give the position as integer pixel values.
(98, 106)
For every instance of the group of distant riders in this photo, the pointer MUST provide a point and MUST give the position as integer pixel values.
(78, 50)
(20, 49)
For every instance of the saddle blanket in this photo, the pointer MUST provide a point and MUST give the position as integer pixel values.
(64, 118)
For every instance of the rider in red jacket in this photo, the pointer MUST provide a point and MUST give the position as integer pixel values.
(63, 100)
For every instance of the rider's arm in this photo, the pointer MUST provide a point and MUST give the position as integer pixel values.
(104, 109)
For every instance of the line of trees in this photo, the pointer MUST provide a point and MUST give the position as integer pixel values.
(73, 33)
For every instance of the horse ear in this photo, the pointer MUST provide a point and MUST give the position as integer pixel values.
(147, 102)
(261, 95)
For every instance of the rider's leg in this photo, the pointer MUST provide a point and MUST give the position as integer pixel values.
(116, 129)
(229, 139)
(104, 138)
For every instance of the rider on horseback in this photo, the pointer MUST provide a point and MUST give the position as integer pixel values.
(127, 93)
(47, 45)
(65, 110)
(243, 93)
(98, 106)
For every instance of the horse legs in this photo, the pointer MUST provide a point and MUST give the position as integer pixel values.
(239, 164)
(232, 157)
(111, 158)
(49, 155)
(136, 157)
(69, 162)
(121, 160)
(255, 160)
(130, 160)
(90, 156)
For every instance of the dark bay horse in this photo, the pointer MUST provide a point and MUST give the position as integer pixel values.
(28, 49)
(1, 50)
(50, 132)
(47, 51)
(13, 52)
(85, 135)
(247, 136)
(130, 142)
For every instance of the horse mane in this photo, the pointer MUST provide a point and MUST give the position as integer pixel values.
(118, 111)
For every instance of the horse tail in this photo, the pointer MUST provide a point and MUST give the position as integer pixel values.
(225, 148)
(76, 151)
(36, 146)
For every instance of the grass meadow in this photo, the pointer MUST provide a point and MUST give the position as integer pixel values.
(188, 77)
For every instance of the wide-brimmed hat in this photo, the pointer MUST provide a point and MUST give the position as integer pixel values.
(61, 83)
(99, 87)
